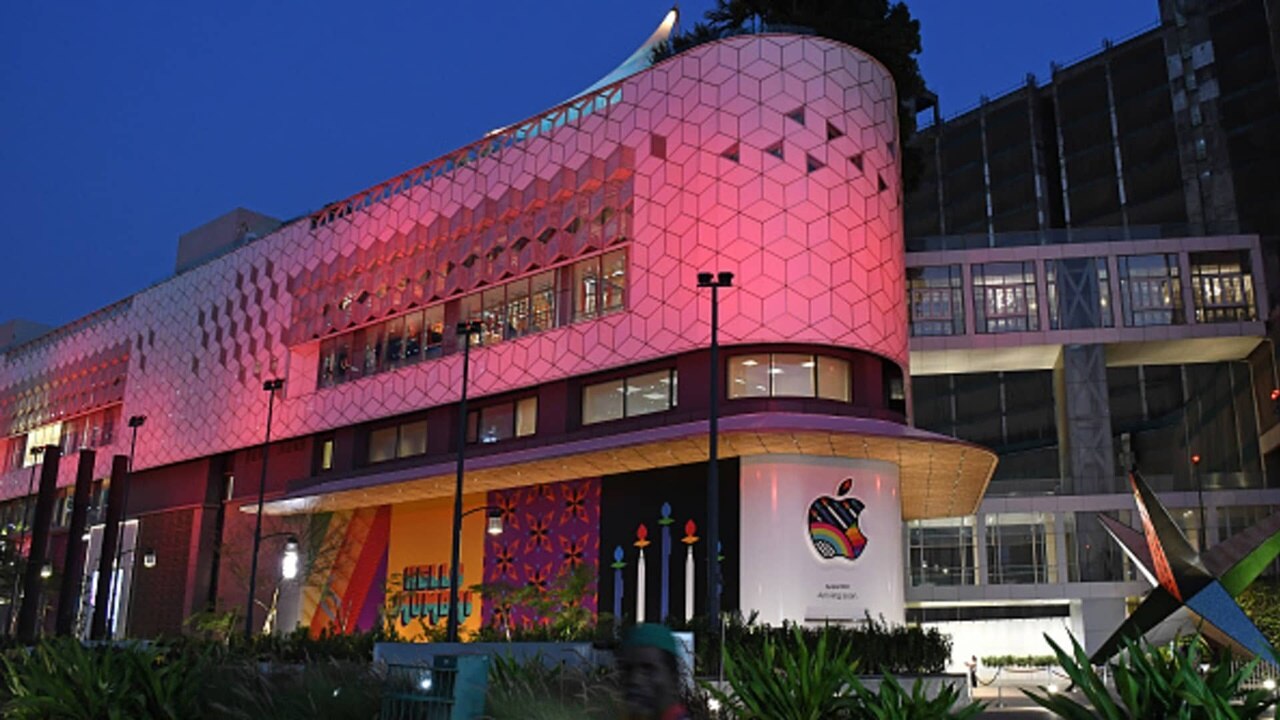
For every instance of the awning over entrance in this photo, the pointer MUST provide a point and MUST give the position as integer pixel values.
(940, 476)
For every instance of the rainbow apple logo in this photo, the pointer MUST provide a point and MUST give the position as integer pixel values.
(833, 524)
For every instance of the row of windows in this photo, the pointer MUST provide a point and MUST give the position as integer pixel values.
(750, 376)
(1005, 295)
(591, 288)
(97, 429)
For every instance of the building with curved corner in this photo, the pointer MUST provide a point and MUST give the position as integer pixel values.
(574, 238)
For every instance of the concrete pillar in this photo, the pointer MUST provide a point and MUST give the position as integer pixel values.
(73, 565)
(37, 554)
(1084, 420)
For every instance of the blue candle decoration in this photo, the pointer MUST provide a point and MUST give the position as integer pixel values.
(618, 565)
(665, 522)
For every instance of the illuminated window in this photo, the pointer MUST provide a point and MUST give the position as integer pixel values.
(398, 441)
(1150, 290)
(1004, 297)
(1222, 287)
(789, 375)
(326, 454)
(494, 423)
(599, 285)
(629, 397)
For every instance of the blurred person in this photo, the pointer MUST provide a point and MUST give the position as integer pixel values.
(651, 680)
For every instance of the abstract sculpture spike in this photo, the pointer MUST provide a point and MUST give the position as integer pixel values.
(1205, 582)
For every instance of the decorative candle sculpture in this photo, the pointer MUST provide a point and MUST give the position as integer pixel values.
(689, 539)
(642, 541)
(665, 600)
(618, 565)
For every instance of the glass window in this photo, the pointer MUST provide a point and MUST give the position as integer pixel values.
(542, 310)
(413, 439)
(941, 552)
(792, 375)
(412, 337)
(834, 381)
(326, 454)
(614, 281)
(327, 360)
(394, 354)
(382, 444)
(649, 393)
(603, 401)
(1222, 286)
(373, 349)
(526, 416)
(1150, 290)
(470, 309)
(935, 297)
(1004, 297)
(497, 422)
(493, 315)
(433, 331)
(517, 311)
(586, 289)
(749, 376)
(342, 358)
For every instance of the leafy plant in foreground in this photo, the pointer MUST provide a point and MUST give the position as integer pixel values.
(64, 679)
(893, 702)
(789, 680)
(1155, 682)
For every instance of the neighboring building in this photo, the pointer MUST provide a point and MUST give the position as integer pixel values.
(575, 238)
(1087, 265)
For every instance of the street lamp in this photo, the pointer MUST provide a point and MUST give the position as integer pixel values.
(289, 560)
(493, 515)
(148, 558)
(465, 330)
(27, 521)
(271, 387)
(46, 570)
(135, 422)
(715, 282)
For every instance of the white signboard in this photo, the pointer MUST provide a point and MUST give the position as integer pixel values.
(821, 539)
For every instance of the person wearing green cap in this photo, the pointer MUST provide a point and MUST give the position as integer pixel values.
(650, 666)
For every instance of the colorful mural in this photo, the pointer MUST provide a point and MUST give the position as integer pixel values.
(418, 566)
(348, 570)
(548, 530)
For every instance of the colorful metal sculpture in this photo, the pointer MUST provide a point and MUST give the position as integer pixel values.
(1205, 582)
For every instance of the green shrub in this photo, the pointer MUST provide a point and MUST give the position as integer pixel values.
(876, 646)
(1027, 661)
(1155, 682)
(330, 690)
(893, 702)
(534, 690)
(67, 680)
(789, 678)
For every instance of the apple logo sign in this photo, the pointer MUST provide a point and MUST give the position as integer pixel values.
(833, 524)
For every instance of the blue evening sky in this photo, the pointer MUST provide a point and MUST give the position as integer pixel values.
(124, 124)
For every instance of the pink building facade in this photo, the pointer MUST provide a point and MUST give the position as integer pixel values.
(574, 238)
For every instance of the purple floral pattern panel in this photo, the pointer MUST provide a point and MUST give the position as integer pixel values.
(547, 530)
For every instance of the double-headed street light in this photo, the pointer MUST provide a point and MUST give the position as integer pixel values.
(271, 386)
(465, 330)
(715, 282)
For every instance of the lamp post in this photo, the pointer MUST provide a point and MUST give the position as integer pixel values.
(493, 515)
(271, 387)
(715, 282)
(135, 422)
(465, 330)
(26, 529)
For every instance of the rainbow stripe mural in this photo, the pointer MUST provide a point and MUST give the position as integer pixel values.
(348, 575)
